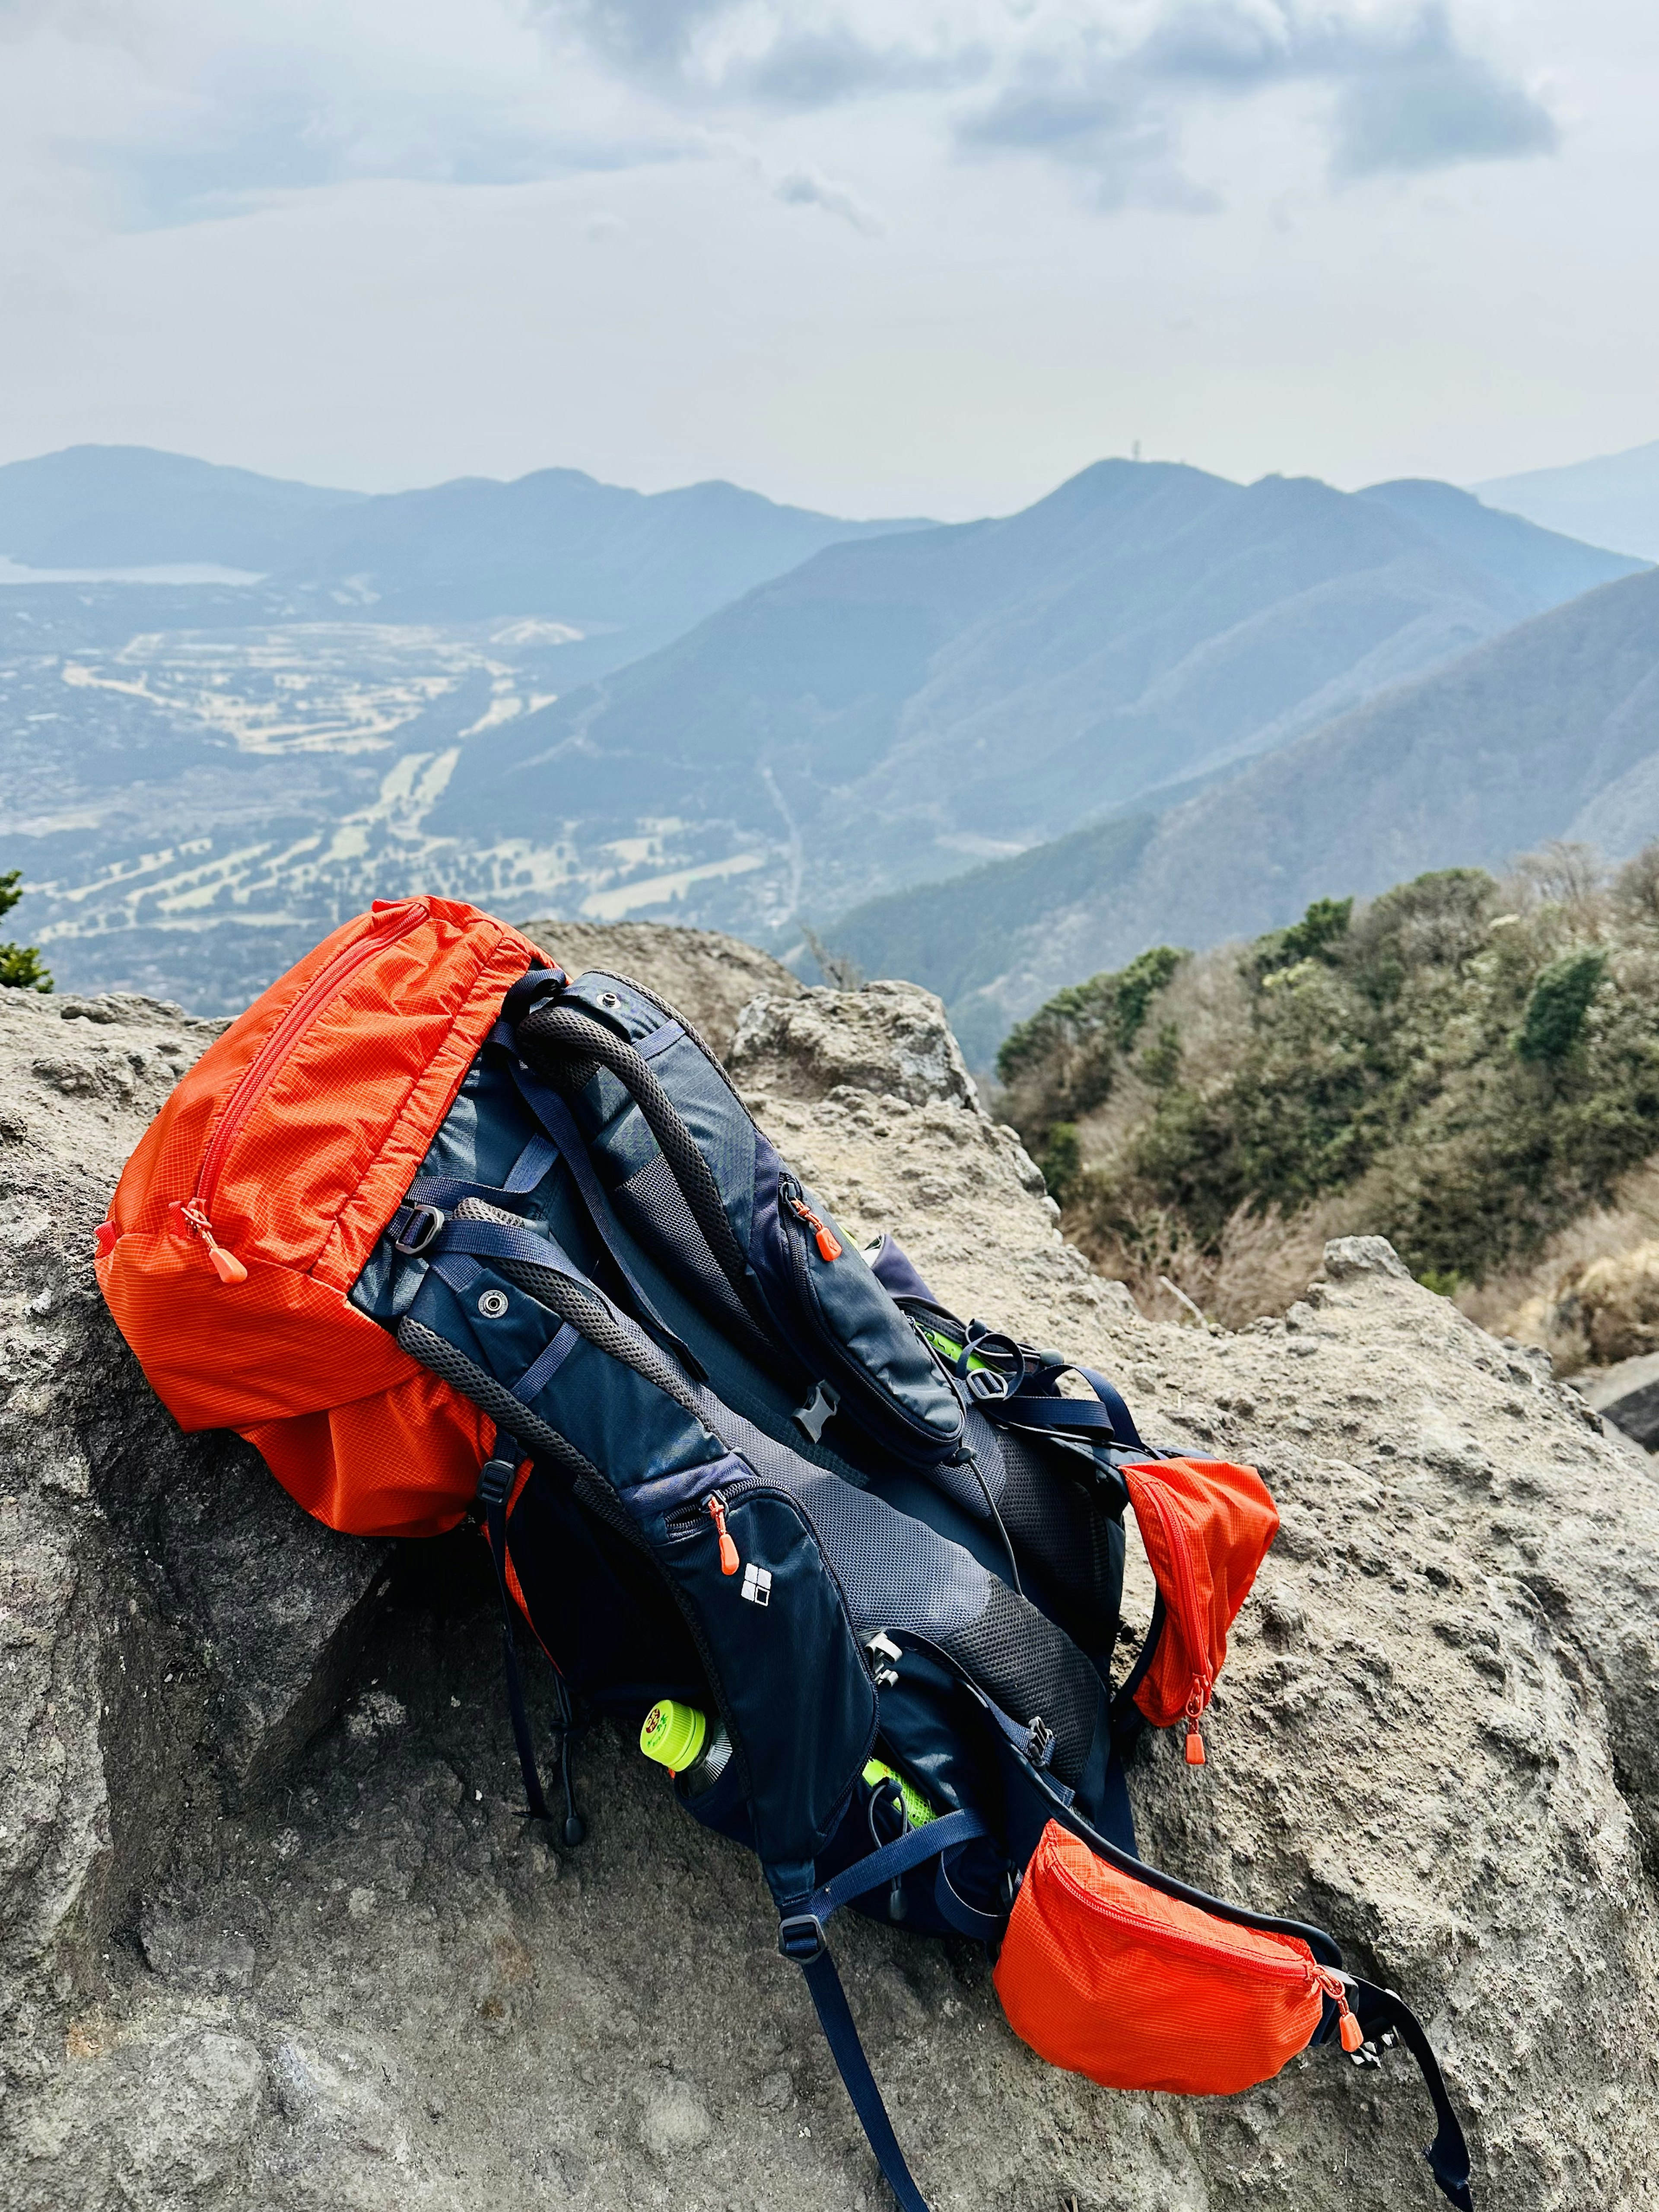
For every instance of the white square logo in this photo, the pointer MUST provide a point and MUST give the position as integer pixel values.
(757, 1584)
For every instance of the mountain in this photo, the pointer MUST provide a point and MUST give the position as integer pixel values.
(895, 706)
(1550, 730)
(127, 507)
(1612, 500)
(613, 574)
(636, 567)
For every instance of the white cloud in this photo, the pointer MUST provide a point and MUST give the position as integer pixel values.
(378, 240)
(805, 186)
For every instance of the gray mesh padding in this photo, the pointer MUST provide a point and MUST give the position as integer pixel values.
(585, 1310)
(507, 1412)
(900, 1574)
(1053, 1524)
(652, 1206)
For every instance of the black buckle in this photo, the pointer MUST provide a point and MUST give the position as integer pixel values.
(496, 1479)
(424, 1225)
(800, 1938)
(987, 1382)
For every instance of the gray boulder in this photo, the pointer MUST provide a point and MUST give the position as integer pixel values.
(1627, 1394)
(252, 1971)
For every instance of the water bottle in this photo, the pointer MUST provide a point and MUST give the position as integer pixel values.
(679, 1738)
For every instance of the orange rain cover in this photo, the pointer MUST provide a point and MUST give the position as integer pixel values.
(311, 1117)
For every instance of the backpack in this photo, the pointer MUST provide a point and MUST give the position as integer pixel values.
(446, 1234)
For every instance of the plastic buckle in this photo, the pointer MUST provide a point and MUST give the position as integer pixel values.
(425, 1225)
(800, 1938)
(820, 1409)
(496, 1479)
(987, 1382)
(1039, 1742)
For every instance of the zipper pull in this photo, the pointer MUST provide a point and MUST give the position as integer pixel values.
(226, 1265)
(1197, 1698)
(729, 1561)
(1347, 2028)
(827, 1242)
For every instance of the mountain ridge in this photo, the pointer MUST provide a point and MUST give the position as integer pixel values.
(1549, 730)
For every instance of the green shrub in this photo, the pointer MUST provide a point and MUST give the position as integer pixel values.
(20, 968)
(1063, 1061)
(1467, 1079)
(1557, 1005)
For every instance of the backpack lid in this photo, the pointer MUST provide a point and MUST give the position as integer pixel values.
(245, 1215)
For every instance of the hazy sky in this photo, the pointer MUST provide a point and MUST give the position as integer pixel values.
(879, 256)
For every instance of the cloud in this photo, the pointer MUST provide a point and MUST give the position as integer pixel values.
(805, 187)
(1407, 96)
(1432, 105)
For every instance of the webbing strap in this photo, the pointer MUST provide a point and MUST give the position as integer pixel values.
(1033, 1404)
(800, 1938)
(1448, 2153)
(559, 1124)
(841, 2033)
(494, 1481)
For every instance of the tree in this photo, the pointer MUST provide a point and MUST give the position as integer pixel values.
(20, 965)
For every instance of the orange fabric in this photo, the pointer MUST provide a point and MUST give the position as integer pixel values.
(1207, 1526)
(1106, 1976)
(402, 1463)
(306, 1163)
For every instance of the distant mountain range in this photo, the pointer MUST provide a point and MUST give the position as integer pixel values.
(1612, 500)
(451, 690)
(621, 572)
(1550, 731)
(893, 708)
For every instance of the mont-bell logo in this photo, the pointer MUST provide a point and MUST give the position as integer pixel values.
(757, 1584)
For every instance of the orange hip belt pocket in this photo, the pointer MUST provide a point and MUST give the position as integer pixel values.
(1107, 1976)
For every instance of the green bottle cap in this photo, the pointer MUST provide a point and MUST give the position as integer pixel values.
(921, 1811)
(673, 1734)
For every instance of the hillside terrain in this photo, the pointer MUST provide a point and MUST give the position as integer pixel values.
(1612, 500)
(894, 708)
(1550, 731)
(200, 778)
(1468, 1067)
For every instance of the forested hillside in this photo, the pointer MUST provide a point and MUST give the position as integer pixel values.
(1462, 1066)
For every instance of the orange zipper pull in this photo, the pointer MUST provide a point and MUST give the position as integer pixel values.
(1347, 2026)
(104, 1238)
(226, 1265)
(729, 1561)
(1196, 1701)
(829, 1243)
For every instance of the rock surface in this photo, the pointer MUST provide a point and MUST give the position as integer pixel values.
(710, 977)
(1628, 1396)
(359, 1982)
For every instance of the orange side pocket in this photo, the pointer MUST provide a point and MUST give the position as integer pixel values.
(1207, 1526)
(1106, 1976)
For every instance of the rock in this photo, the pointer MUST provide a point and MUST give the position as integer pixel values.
(1628, 1396)
(708, 977)
(370, 1987)
(173, 1627)
(889, 1038)
(1348, 1257)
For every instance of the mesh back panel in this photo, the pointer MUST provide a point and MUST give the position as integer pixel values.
(1051, 1520)
(652, 1204)
(585, 1310)
(899, 1573)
